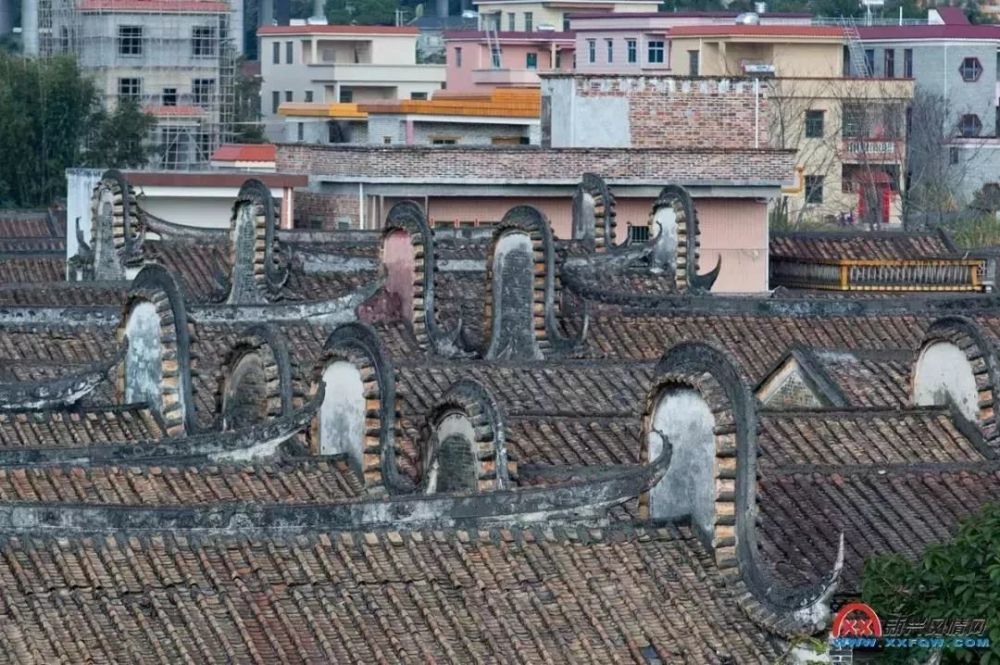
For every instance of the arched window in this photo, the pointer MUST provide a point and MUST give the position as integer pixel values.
(451, 467)
(970, 125)
(397, 256)
(245, 401)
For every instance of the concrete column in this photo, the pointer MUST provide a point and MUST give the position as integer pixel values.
(29, 27)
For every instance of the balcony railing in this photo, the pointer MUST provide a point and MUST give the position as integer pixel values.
(879, 274)
(871, 150)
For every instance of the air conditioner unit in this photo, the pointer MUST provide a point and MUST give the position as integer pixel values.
(757, 68)
(546, 27)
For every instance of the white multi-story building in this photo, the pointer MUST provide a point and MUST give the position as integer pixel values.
(340, 64)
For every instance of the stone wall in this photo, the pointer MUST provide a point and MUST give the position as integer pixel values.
(522, 164)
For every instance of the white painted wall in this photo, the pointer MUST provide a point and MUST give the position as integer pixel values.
(342, 415)
(943, 372)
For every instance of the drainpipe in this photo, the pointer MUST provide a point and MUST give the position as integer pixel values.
(361, 204)
(800, 182)
(756, 113)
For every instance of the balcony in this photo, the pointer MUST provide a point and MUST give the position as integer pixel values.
(879, 274)
(866, 151)
(506, 77)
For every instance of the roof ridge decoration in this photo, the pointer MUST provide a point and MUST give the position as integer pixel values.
(684, 258)
(116, 231)
(173, 231)
(358, 344)
(708, 372)
(408, 216)
(468, 411)
(257, 275)
(167, 345)
(59, 391)
(594, 213)
(980, 402)
(507, 339)
(256, 381)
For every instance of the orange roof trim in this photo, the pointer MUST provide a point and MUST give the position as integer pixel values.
(343, 111)
(517, 103)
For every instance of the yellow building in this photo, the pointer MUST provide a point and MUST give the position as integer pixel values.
(849, 132)
(532, 15)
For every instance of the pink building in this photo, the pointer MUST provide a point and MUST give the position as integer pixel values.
(640, 42)
(477, 63)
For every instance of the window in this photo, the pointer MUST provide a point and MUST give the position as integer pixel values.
(591, 50)
(638, 234)
(289, 96)
(814, 189)
(130, 88)
(908, 63)
(693, 64)
(632, 50)
(558, 64)
(565, 24)
(387, 140)
(203, 41)
(890, 63)
(496, 57)
(512, 21)
(853, 121)
(869, 62)
(309, 96)
(531, 61)
(970, 69)
(443, 140)
(418, 95)
(953, 156)
(301, 131)
(130, 40)
(289, 50)
(203, 90)
(275, 101)
(814, 124)
(970, 125)
(458, 57)
(346, 96)
(610, 45)
(334, 133)
(654, 52)
(529, 20)
(205, 146)
(276, 53)
(170, 96)
(510, 140)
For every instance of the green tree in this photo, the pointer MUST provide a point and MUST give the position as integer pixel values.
(48, 114)
(115, 139)
(959, 579)
(361, 12)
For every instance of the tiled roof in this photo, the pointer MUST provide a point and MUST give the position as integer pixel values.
(918, 32)
(31, 269)
(580, 441)
(56, 343)
(868, 379)
(900, 510)
(862, 438)
(582, 596)
(336, 30)
(28, 224)
(300, 481)
(94, 426)
(766, 31)
(756, 342)
(861, 245)
(233, 152)
(63, 294)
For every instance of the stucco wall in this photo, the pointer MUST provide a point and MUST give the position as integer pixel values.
(943, 373)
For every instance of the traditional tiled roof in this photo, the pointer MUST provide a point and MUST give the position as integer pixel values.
(579, 441)
(553, 595)
(87, 427)
(32, 268)
(834, 245)
(62, 294)
(56, 342)
(293, 481)
(892, 481)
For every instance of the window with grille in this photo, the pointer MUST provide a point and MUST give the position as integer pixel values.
(654, 52)
(309, 96)
(970, 69)
(511, 21)
(814, 189)
(694, 63)
(531, 61)
(529, 22)
(890, 63)
(970, 125)
(169, 97)
(610, 45)
(203, 42)
(814, 124)
(591, 50)
(130, 40)
(638, 234)
(908, 63)
(130, 88)
(203, 90)
(632, 50)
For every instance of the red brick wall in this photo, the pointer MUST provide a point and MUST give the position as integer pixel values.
(328, 207)
(685, 113)
(525, 164)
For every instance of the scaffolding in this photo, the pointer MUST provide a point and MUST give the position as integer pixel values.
(175, 58)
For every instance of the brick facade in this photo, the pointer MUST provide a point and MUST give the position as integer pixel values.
(327, 208)
(525, 164)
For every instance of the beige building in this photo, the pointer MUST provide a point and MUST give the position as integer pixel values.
(532, 15)
(340, 64)
(849, 132)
